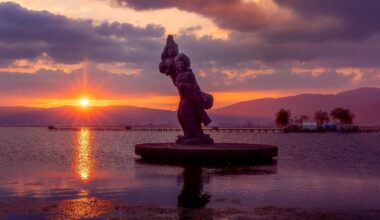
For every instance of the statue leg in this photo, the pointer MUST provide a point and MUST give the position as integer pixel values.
(197, 126)
(191, 125)
(182, 122)
(188, 120)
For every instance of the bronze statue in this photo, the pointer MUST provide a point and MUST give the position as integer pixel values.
(193, 102)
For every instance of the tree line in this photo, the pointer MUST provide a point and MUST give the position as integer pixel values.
(343, 115)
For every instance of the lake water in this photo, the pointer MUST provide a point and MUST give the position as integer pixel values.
(330, 171)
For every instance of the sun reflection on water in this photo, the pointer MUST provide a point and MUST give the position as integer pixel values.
(82, 208)
(84, 161)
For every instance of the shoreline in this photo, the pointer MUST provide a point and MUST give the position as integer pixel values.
(108, 209)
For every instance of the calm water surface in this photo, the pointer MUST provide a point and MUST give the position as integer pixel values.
(312, 171)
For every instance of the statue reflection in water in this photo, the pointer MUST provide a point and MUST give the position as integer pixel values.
(192, 198)
(191, 195)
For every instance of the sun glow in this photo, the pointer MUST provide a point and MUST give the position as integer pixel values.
(84, 102)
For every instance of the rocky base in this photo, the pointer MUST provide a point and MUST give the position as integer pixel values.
(205, 139)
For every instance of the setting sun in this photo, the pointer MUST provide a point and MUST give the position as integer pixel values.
(84, 102)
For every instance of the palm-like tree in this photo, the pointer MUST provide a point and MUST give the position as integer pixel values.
(345, 116)
(321, 117)
(283, 117)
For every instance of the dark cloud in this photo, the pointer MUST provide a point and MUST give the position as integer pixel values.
(312, 21)
(126, 30)
(234, 52)
(230, 14)
(27, 34)
(350, 11)
(355, 20)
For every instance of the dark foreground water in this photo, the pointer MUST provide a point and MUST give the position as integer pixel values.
(95, 174)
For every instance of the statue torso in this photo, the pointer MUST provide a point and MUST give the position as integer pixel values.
(187, 85)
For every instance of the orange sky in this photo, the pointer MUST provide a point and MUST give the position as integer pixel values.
(221, 99)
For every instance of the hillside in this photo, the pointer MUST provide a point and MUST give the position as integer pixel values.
(364, 102)
(93, 116)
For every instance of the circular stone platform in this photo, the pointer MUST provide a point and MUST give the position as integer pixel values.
(210, 153)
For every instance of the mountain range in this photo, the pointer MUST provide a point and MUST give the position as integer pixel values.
(363, 102)
(91, 116)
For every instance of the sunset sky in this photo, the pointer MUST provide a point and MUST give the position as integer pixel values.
(55, 52)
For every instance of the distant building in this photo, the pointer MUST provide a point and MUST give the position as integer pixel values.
(340, 127)
(309, 125)
(330, 126)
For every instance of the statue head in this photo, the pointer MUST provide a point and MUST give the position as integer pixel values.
(182, 62)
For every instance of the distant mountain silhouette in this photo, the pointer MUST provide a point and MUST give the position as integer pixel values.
(94, 116)
(364, 103)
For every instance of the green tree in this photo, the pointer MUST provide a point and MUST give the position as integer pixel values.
(321, 117)
(283, 118)
(345, 116)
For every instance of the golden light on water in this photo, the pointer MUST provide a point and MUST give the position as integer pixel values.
(84, 161)
(83, 208)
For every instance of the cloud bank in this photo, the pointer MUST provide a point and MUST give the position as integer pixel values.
(282, 45)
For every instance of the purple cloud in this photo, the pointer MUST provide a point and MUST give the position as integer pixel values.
(28, 34)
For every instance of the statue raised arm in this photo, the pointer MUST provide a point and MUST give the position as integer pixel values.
(167, 65)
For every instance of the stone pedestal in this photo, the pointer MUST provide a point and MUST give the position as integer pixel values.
(205, 139)
(225, 153)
